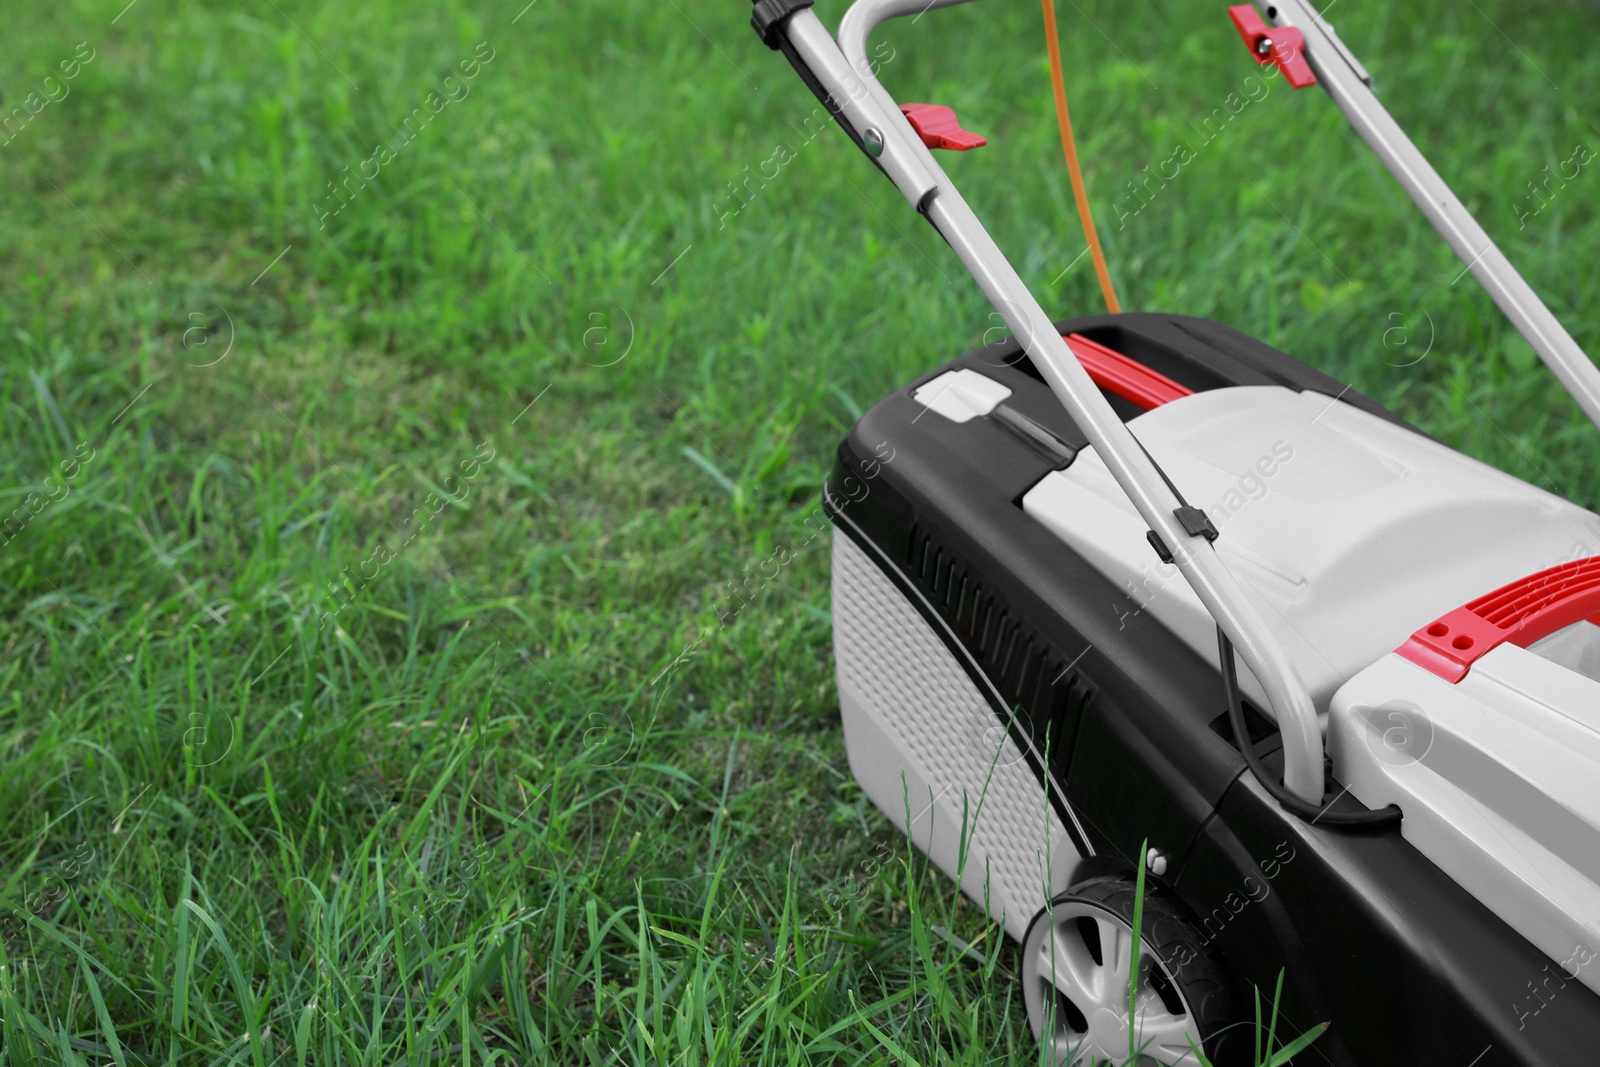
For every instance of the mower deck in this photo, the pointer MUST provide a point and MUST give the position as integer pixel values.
(987, 648)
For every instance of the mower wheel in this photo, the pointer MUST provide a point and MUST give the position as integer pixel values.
(1075, 968)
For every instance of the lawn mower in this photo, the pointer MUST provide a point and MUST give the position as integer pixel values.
(1136, 594)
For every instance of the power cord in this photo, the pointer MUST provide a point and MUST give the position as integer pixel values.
(1070, 149)
(1389, 816)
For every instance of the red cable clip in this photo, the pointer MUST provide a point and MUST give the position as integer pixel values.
(1282, 45)
(938, 127)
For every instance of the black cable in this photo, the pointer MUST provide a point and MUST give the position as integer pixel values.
(1388, 816)
(1175, 491)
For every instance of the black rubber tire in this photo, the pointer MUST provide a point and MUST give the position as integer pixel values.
(1201, 978)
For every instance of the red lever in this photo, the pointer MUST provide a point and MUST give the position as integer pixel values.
(1282, 45)
(938, 127)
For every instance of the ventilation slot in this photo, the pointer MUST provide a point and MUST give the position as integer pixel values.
(957, 586)
(1030, 673)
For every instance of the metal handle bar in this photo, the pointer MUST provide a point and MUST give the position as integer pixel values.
(870, 110)
(1350, 87)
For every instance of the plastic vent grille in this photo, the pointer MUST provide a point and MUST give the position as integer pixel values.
(1029, 671)
(902, 673)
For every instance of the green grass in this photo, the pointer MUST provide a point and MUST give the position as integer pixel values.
(539, 784)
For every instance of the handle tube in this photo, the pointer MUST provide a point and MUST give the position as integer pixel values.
(924, 184)
(1350, 88)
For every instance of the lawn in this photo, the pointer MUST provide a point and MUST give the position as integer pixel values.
(399, 399)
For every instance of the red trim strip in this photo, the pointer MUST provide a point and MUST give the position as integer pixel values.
(1520, 613)
(1121, 376)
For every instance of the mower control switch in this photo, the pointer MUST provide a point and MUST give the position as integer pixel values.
(938, 127)
(1281, 45)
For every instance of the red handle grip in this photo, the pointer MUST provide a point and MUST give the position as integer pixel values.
(1527, 610)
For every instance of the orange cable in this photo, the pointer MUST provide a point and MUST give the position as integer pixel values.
(1070, 149)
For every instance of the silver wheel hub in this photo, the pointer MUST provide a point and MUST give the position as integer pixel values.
(1075, 984)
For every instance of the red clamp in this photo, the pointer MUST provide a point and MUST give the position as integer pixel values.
(1282, 45)
(938, 127)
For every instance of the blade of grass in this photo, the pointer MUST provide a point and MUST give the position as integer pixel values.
(107, 1027)
(248, 1008)
(1298, 1045)
(1133, 966)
